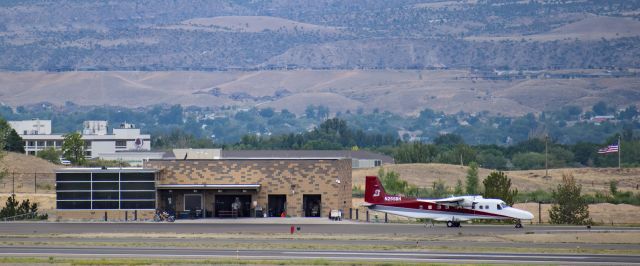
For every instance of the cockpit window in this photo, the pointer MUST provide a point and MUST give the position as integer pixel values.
(502, 205)
(499, 207)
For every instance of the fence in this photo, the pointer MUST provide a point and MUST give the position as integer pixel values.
(17, 183)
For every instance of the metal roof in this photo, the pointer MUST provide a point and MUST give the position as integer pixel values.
(207, 186)
(107, 170)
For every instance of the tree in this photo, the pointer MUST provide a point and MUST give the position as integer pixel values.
(471, 181)
(529, 160)
(73, 148)
(613, 187)
(600, 108)
(13, 208)
(15, 143)
(439, 189)
(458, 189)
(569, 207)
(448, 140)
(10, 140)
(50, 154)
(498, 185)
(266, 112)
(310, 111)
(392, 183)
(416, 152)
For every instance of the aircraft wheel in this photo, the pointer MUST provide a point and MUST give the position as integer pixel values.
(518, 225)
(450, 224)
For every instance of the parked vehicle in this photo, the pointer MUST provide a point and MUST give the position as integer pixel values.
(161, 216)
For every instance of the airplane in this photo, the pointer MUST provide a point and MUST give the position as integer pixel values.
(452, 210)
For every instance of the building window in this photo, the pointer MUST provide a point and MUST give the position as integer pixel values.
(58, 143)
(377, 163)
(87, 144)
(32, 152)
(105, 190)
(87, 153)
(121, 144)
(40, 143)
(49, 143)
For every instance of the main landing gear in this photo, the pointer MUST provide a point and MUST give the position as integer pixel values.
(453, 224)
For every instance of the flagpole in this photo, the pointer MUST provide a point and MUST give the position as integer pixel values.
(619, 150)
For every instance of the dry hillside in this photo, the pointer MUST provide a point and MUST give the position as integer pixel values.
(399, 91)
(249, 24)
(592, 179)
(24, 170)
(590, 27)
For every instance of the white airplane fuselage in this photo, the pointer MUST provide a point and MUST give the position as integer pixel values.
(462, 208)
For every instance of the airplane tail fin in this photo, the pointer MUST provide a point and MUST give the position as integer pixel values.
(373, 191)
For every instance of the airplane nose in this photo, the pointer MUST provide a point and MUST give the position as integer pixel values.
(527, 215)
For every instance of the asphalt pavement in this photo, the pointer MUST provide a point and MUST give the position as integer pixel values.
(426, 257)
(16, 228)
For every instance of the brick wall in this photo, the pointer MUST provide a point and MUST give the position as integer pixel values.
(291, 177)
(98, 215)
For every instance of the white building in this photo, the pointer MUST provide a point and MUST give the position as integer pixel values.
(32, 127)
(37, 136)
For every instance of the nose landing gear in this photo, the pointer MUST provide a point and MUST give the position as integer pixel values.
(518, 224)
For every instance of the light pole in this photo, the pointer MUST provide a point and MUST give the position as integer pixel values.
(546, 156)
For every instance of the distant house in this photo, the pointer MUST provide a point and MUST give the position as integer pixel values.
(601, 118)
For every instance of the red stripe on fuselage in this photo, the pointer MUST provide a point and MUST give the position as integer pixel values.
(415, 204)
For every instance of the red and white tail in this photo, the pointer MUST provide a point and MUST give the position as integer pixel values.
(373, 190)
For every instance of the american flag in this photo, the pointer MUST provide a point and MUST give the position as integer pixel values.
(610, 148)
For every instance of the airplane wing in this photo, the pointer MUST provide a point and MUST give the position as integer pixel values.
(450, 200)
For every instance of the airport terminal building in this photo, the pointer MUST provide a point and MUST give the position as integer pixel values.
(207, 188)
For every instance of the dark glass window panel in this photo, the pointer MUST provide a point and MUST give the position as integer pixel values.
(138, 186)
(139, 195)
(73, 205)
(137, 177)
(73, 177)
(105, 205)
(105, 177)
(138, 205)
(192, 202)
(105, 186)
(73, 186)
(105, 195)
(73, 195)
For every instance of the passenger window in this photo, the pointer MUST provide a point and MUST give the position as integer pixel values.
(481, 207)
(486, 207)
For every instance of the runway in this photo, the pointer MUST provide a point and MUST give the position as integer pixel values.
(11, 228)
(426, 257)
